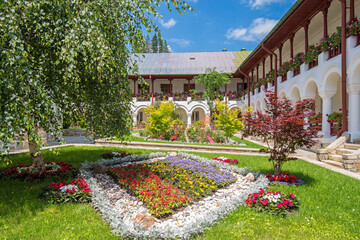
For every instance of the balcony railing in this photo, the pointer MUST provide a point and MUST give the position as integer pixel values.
(314, 63)
(358, 40)
(333, 52)
(284, 78)
(296, 72)
(181, 96)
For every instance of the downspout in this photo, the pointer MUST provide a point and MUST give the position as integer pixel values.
(152, 90)
(248, 85)
(275, 72)
(343, 69)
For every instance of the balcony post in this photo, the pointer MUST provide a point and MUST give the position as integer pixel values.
(325, 14)
(152, 90)
(292, 46)
(306, 29)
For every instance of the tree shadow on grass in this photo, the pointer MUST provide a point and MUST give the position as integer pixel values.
(20, 198)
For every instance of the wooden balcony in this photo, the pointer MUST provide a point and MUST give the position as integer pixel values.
(314, 63)
(333, 52)
(296, 72)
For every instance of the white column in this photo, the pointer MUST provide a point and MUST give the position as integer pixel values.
(354, 111)
(326, 109)
(188, 119)
(134, 120)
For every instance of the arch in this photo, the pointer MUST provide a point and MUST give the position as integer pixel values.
(197, 114)
(310, 88)
(258, 106)
(295, 93)
(330, 79)
(182, 112)
(205, 109)
(282, 93)
(354, 71)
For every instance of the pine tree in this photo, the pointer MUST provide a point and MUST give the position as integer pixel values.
(147, 47)
(155, 44)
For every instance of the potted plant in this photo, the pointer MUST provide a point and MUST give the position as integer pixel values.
(335, 121)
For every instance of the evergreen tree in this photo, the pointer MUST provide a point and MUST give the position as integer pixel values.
(155, 44)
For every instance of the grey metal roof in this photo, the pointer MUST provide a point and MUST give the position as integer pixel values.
(191, 63)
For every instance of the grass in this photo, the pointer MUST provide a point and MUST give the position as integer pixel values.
(330, 205)
(248, 143)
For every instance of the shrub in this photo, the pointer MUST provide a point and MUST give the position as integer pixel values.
(227, 120)
(285, 124)
(160, 118)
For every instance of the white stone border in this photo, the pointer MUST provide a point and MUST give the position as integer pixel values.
(198, 225)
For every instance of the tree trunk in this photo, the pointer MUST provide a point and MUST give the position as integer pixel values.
(36, 156)
(277, 168)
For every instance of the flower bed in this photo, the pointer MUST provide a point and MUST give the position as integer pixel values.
(159, 196)
(274, 202)
(224, 159)
(187, 221)
(111, 155)
(284, 178)
(51, 169)
(76, 191)
(194, 178)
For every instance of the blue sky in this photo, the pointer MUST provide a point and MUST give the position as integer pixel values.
(218, 24)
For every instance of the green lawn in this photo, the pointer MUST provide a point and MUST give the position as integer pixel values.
(248, 143)
(330, 206)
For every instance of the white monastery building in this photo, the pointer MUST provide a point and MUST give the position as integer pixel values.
(313, 52)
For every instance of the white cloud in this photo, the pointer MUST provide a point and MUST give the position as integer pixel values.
(194, 1)
(169, 24)
(255, 32)
(260, 3)
(180, 42)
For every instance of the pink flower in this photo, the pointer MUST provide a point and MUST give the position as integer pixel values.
(292, 196)
(279, 205)
(264, 202)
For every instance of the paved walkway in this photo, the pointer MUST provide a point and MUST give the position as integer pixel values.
(301, 154)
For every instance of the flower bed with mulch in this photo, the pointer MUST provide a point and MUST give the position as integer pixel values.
(185, 193)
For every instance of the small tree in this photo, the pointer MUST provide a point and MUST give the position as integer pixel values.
(160, 118)
(227, 120)
(285, 124)
(212, 82)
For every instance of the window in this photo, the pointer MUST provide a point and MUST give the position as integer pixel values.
(165, 88)
(195, 116)
(140, 117)
(143, 88)
(191, 87)
(245, 86)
